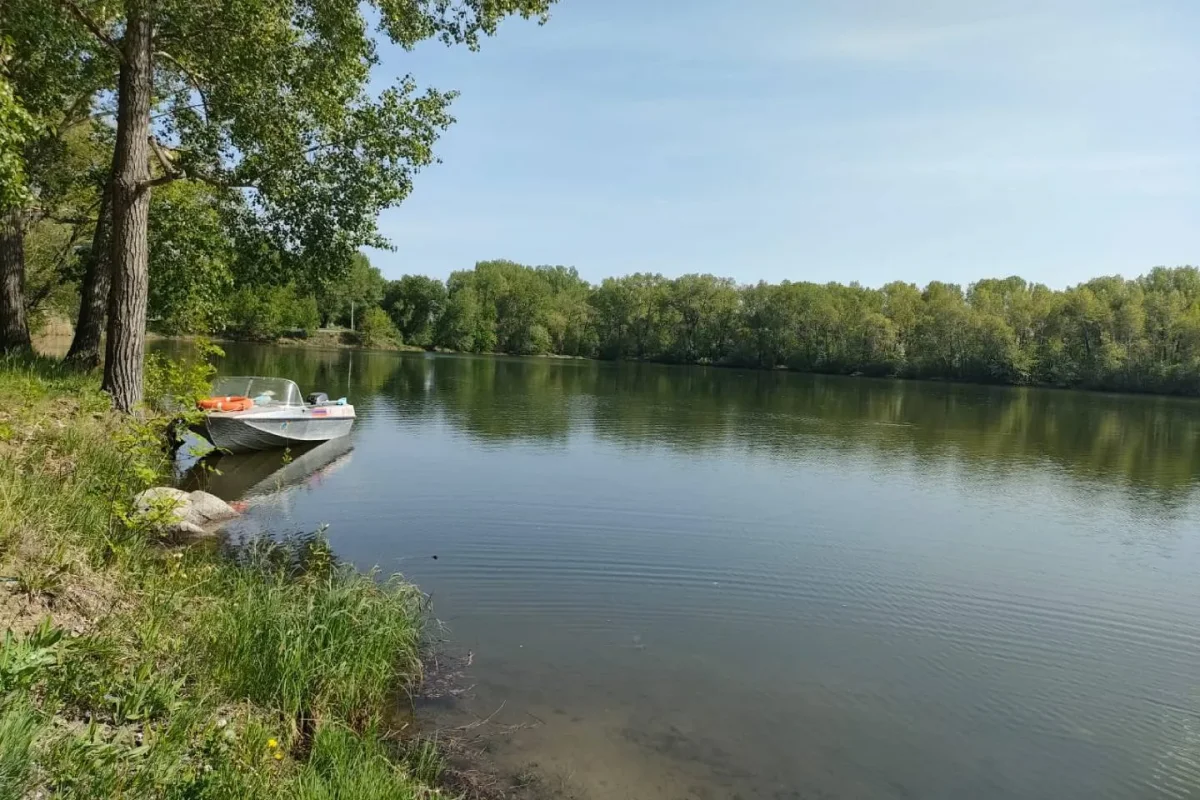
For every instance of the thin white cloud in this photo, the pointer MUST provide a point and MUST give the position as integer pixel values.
(1023, 167)
(907, 43)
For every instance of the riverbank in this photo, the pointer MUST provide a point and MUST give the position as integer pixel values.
(348, 340)
(136, 668)
(323, 339)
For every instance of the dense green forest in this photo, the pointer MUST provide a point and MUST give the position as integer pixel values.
(1111, 333)
(1141, 334)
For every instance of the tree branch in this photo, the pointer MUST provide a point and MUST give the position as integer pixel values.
(169, 112)
(193, 77)
(92, 26)
(221, 184)
(76, 221)
(78, 113)
(169, 168)
(161, 180)
(172, 172)
(61, 262)
(322, 146)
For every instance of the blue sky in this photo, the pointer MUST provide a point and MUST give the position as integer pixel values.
(859, 140)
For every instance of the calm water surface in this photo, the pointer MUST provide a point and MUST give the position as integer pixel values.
(704, 583)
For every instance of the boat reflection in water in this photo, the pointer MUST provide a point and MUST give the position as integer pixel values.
(266, 474)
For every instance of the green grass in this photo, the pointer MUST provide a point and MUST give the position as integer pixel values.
(322, 645)
(132, 670)
(19, 725)
(346, 765)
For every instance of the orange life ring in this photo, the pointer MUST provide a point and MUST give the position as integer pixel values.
(234, 403)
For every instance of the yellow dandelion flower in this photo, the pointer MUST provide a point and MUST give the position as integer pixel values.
(272, 743)
(278, 756)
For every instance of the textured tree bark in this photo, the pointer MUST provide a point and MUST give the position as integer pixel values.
(126, 343)
(93, 292)
(14, 329)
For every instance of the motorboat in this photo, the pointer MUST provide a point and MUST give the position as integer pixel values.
(252, 413)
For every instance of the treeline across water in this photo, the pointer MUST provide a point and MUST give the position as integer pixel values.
(1108, 333)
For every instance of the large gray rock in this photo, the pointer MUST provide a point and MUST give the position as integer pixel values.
(207, 509)
(164, 502)
(180, 513)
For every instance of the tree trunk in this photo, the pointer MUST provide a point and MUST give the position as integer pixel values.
(130, 216)
(14, 329)
(93, 293)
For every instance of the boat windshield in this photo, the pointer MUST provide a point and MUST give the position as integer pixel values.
(263, 391)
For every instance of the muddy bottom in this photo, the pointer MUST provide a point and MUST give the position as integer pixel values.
(502, 744)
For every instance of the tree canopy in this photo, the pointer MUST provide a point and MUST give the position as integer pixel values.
(267, 104)
(17, 127)
(415, 303)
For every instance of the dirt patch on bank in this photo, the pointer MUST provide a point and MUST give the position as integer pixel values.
(66, 591)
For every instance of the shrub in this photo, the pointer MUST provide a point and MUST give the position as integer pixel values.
(266, 312)
(376, 328)
(297, 312)
(251, 314)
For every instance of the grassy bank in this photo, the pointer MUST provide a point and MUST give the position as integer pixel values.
(135, 669)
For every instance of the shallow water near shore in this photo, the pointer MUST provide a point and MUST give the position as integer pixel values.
(707, 583)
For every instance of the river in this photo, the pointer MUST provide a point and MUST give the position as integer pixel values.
(709, 583)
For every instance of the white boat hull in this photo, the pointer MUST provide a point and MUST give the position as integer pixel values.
(246, 431)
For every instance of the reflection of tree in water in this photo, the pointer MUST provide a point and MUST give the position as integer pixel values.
(1145, 442)
(313, 370)
(1149, 444)
(505, 398)
(410, 388)
(335, 372)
